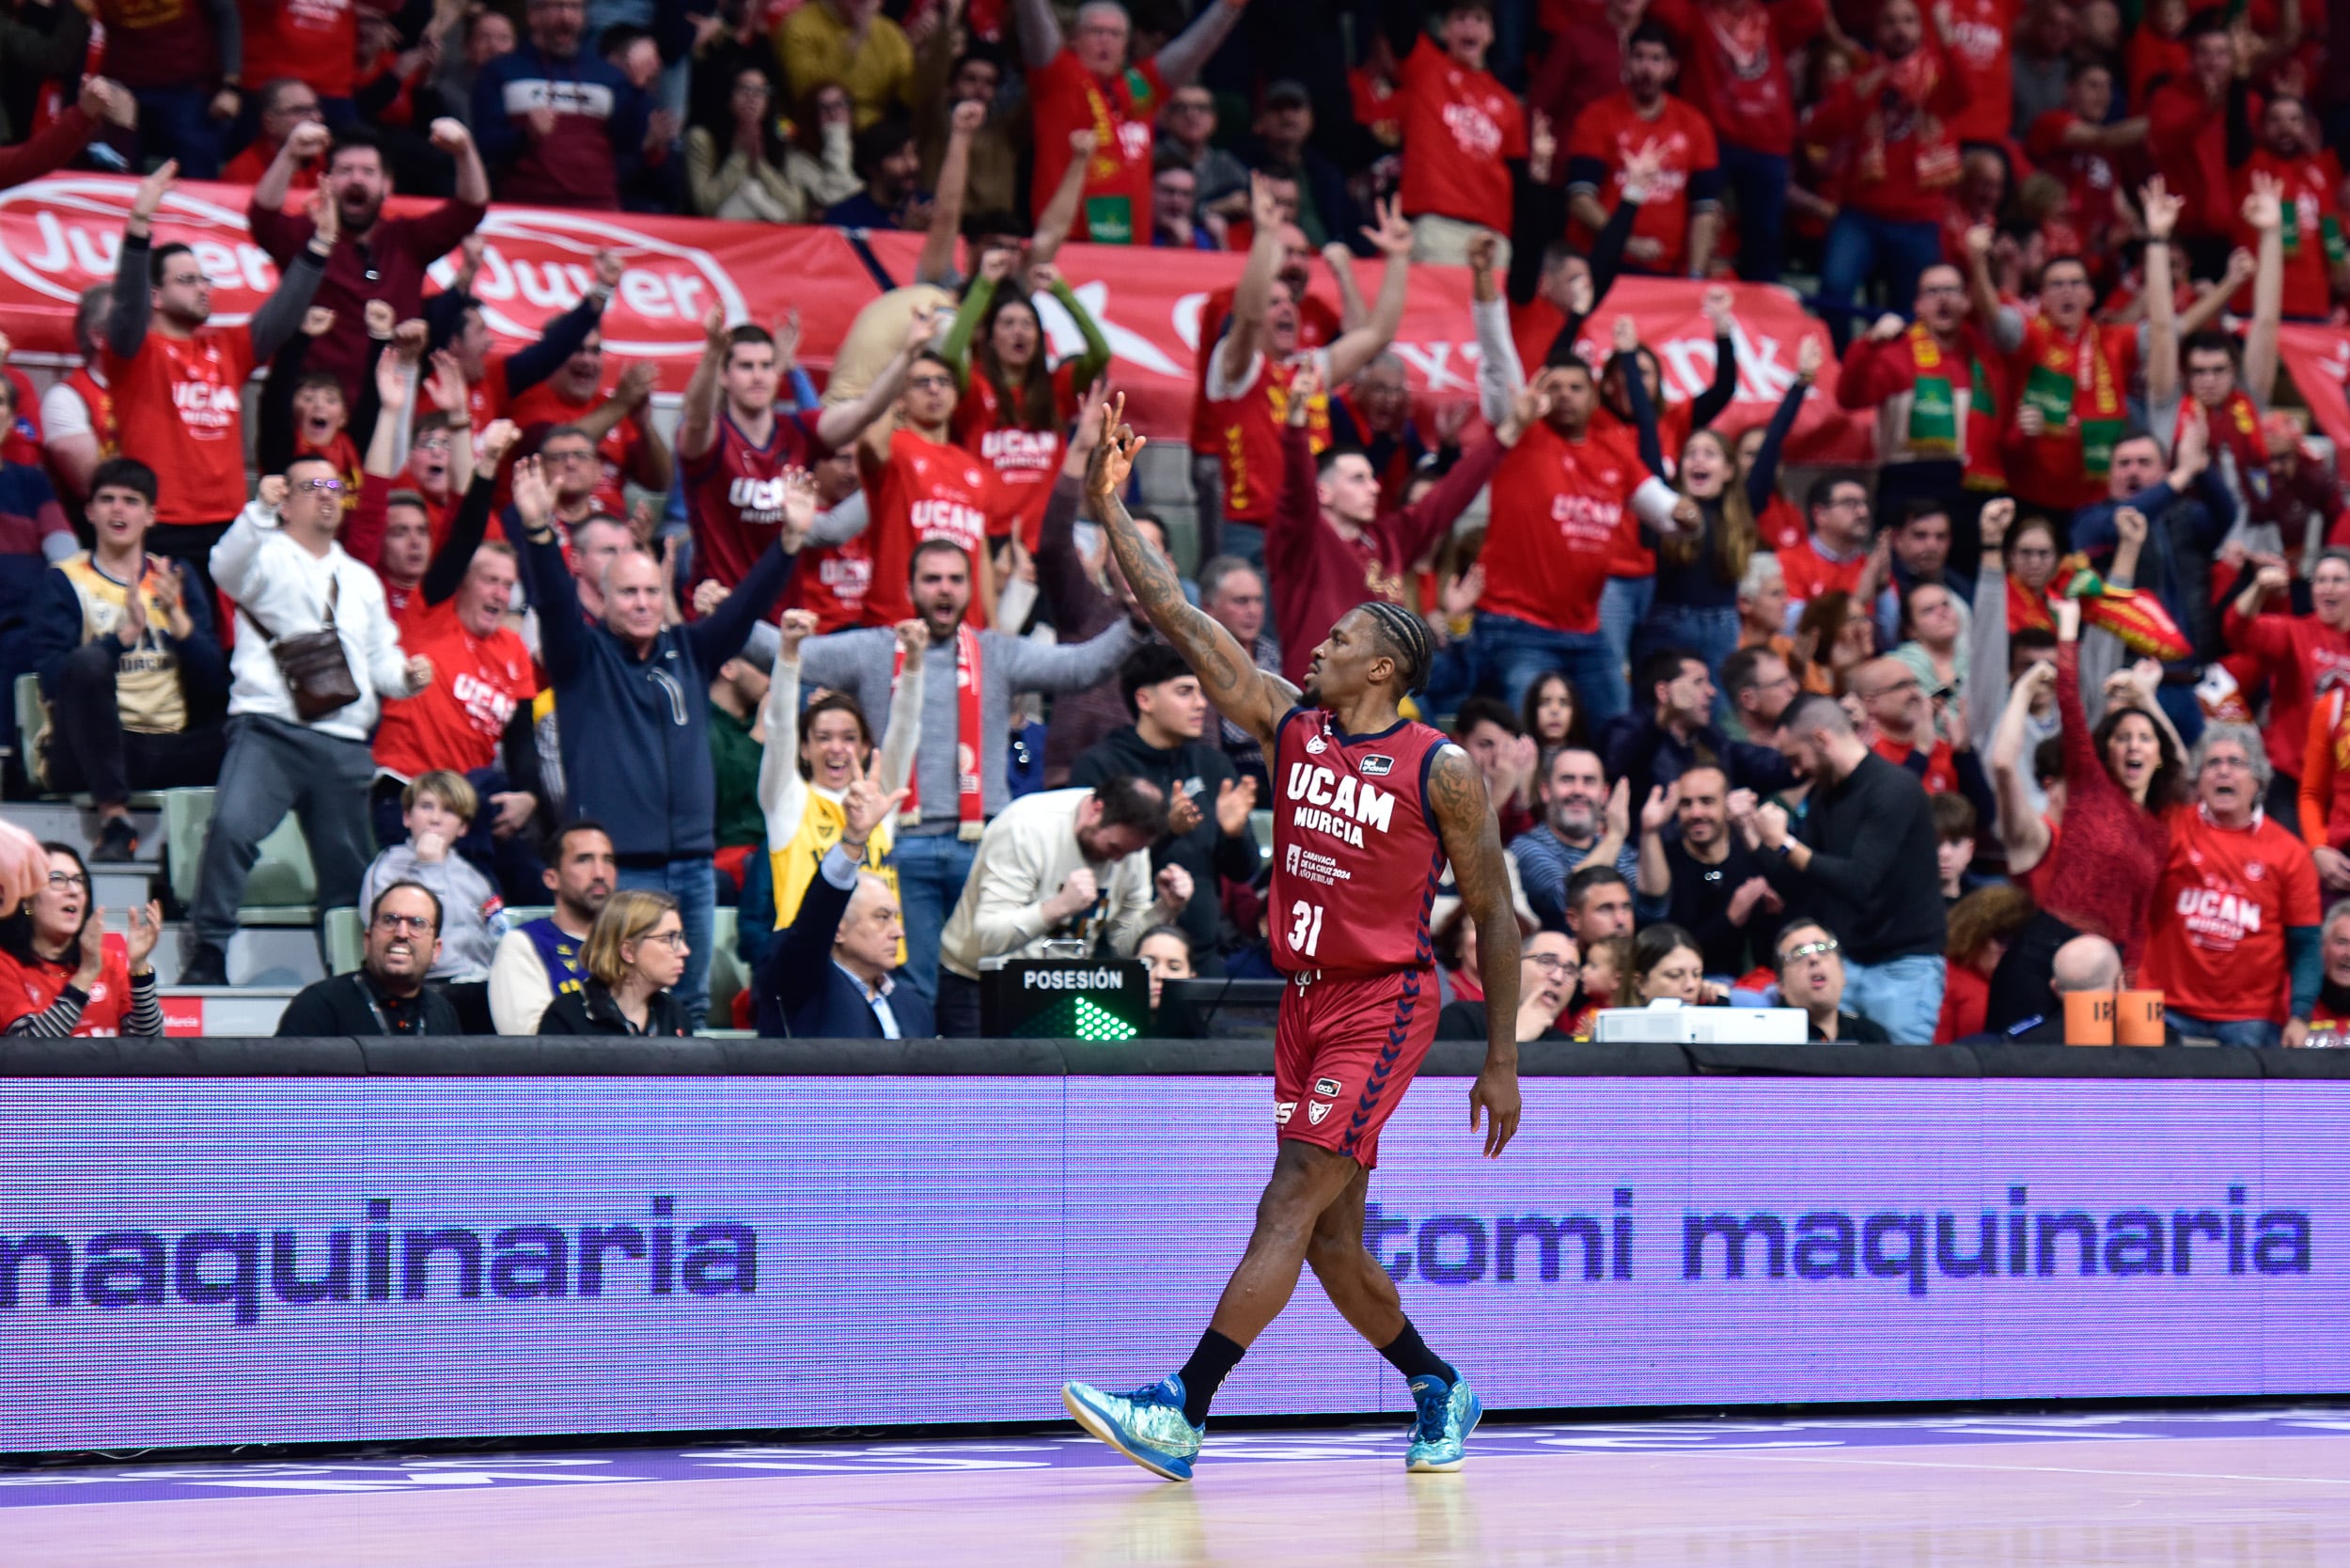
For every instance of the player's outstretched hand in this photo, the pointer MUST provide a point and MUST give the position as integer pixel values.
(1493, 1102)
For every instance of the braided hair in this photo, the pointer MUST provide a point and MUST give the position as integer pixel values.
(1407, 640)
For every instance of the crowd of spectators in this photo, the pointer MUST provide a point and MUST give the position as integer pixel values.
(2051, 695)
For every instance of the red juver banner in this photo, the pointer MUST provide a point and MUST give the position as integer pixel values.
(60, 235)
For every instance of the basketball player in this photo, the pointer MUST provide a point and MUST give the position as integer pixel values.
(1370, 810)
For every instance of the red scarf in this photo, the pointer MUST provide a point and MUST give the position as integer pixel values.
(2027, 608)
(2236, 426)
(970, 803)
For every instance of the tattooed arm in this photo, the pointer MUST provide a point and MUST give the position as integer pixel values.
(1472, 838)
(1244, 693)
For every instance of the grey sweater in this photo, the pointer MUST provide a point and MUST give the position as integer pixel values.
(860, 663)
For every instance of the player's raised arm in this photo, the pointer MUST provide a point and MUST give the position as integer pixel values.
(1472, 838)
(1241, 692)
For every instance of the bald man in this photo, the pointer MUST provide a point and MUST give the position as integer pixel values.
(2084, 964)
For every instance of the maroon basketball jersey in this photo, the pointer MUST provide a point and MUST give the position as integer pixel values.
(734, 493)
(1355, 853)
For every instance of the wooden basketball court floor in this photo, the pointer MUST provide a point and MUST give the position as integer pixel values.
(2269, 1488)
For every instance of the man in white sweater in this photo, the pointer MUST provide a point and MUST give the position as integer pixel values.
(1060, 864)
(280, 563)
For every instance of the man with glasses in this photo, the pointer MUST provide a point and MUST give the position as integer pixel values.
(2071, 376)
(1834, 557)
(613, 409)
(1187, 132)
(2234, 946)
(387, 995)
(1932, 383)
(1812, 977)
(286, 105)
(1176, 220)
(177, 381)
(289, 579)
(1549, 969)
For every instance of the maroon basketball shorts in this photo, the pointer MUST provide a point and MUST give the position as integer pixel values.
(1343, 1053)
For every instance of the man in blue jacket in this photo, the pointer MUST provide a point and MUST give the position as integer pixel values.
(631, 704)
(829, 973)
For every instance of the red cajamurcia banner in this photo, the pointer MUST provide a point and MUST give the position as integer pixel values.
(61, 234)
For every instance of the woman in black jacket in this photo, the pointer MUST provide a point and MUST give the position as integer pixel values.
(635, 952)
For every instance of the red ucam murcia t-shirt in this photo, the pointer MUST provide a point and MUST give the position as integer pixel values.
(313, 41)
(1460, 127)
(734, 493)
(923, 490)
(182, 400)
(2221, 909)
(1559, 508)
(1610, 131)
(1114, 204)
(458, 721)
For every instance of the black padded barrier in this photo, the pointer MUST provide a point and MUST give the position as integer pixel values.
(483, 1056)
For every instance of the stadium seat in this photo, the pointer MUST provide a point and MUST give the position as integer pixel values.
(32, 717)
(282, 889)
(1261, 828)
(726, 973)
(346, 936)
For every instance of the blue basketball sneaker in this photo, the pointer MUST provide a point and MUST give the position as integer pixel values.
(1147, 1426)
(1447, 1414)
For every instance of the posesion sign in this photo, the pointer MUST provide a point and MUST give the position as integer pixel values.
(324, 1259)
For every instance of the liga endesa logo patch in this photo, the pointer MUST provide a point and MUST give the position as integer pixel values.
(660, 1253)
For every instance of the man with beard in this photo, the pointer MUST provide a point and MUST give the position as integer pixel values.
(566, 127)
(2316, 257)
(1711, 885)
(1673, 235)
(178, 379)
(372, 255)
(1864, 866)
(1582, 822)
(539, 958)
(387, 995)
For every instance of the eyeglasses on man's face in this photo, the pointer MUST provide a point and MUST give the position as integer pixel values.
(1810, 950)
(388, 922)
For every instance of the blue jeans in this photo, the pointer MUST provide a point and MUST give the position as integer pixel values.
(1623, 603)
(177, 122)
(1756, 183)
(695, 885)
(1903, 997)
(931, 870)
(1516, 653)
(1861, 249)
(2233, 1031)
(1710, 633)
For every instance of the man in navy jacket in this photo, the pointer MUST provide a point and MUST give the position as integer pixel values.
(631, 703)
(827, 976)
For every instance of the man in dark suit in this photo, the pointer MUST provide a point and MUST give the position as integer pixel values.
(827, 975)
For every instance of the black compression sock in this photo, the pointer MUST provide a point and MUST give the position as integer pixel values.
(1409, 1354)
(1205, 1373)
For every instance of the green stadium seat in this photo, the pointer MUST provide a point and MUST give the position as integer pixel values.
(346, 934)
(728, 975)
(1260, 827)
(283, 887)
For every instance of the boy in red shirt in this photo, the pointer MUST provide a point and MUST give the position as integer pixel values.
(1460, 130)
(2235, 944)
(1673, 235)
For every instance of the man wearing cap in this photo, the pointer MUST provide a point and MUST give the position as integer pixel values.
(1285, 128)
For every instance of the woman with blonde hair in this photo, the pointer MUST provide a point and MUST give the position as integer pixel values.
(635, 952)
